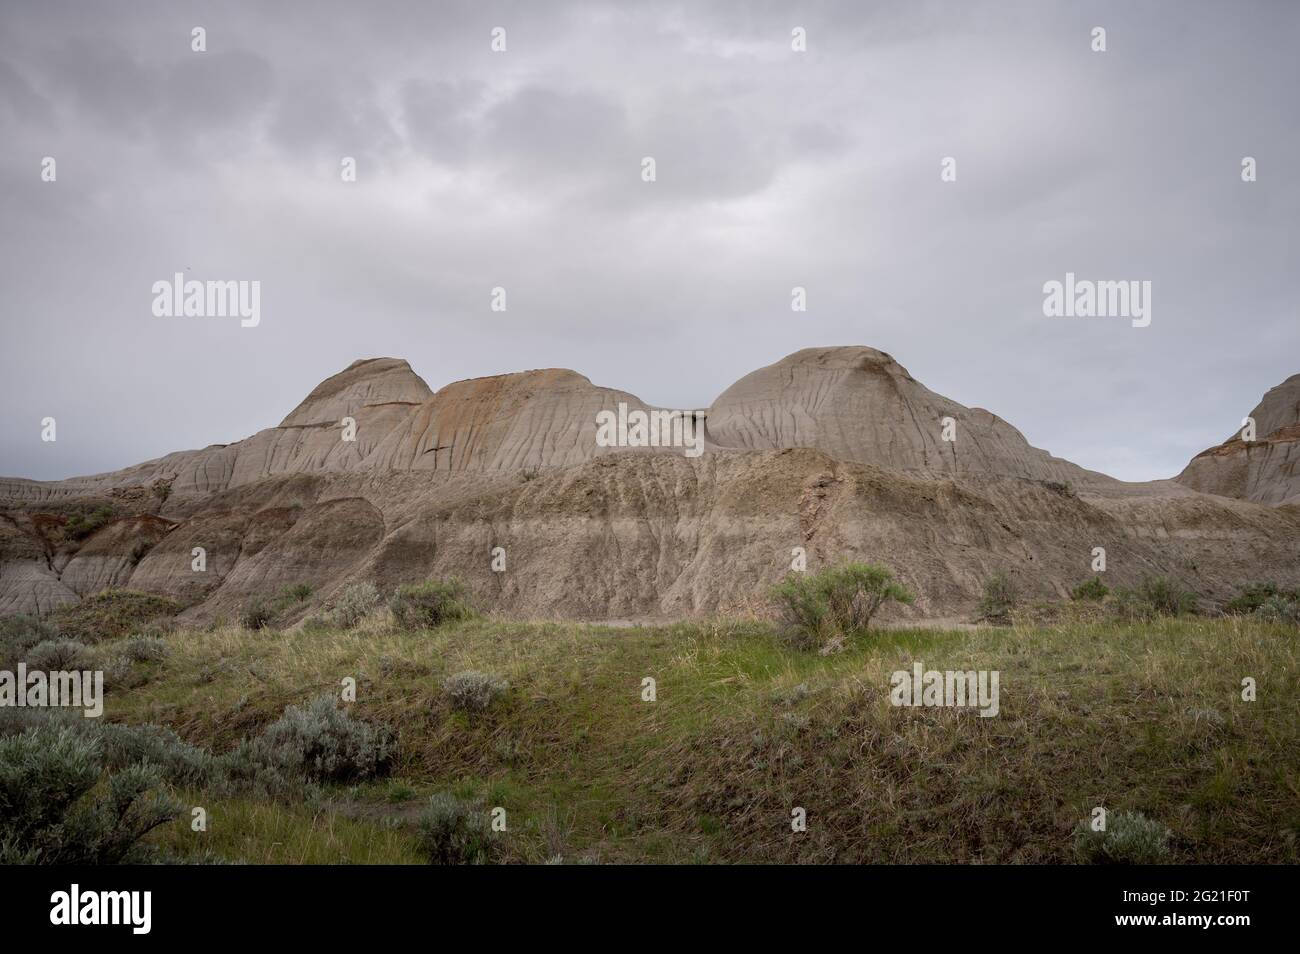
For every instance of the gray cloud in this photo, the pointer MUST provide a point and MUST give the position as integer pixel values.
(188, 95)
(522, 169)
(439, 117)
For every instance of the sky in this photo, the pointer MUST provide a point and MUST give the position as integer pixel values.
(522, 169)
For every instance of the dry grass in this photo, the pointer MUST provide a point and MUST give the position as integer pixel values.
(1131, 717)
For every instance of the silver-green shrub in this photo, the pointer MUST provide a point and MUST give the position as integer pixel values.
(473, 691)
(455, 832)
(321, 742)
(1130, 838)
(355, 603)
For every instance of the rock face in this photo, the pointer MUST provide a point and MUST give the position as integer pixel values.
(378, 393)
(365, 387)
(29, 583)
(859, 404)
(838, 451)
(1265, 470)
(532, 419)
(507, 422)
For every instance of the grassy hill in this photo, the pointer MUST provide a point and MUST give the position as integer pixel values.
(1131, 717)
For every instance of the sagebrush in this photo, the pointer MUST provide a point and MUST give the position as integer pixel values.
(58, 806)
(836, 602)
(430, 604)
(455, 832)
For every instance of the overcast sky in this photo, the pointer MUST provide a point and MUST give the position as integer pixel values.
(522, 169)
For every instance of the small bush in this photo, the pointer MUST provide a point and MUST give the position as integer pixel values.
(48, 814)
(1279, 609)
(323, 743)
(43, 773)
(162, 489)
(855, 591)
(15, 720)
(474, 691)
(119, 745)
(454, 832)
(1092, 589)
(793, 695)
(111, 614)
(999, 599)
(834, 603)
(59, 654)
(120, 672)
(802, 612)
(1129, 606)
(245, 770)
(1250, 597)
(255, 614)
(249, 769)
(145, 649)
(1167, 598)
(107, 830)
(18, 634)
(1130, 838)
(355, 603)
(1155, 596)
(430, 604)
(295, 593)
(83, 523)
(138, 551)
(177, 762)
(289, 597)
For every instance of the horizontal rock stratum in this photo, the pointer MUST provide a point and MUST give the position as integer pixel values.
(839, 451)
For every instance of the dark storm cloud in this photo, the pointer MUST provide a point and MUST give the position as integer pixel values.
(522, 169)
(190, 95)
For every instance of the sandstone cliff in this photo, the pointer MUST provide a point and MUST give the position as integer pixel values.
(838, 451)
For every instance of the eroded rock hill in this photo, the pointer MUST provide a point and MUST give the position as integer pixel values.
(1266, 469)
(836, 450)
(859, 404)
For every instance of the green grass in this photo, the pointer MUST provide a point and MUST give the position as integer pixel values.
(1134, 717)
(289, 834)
